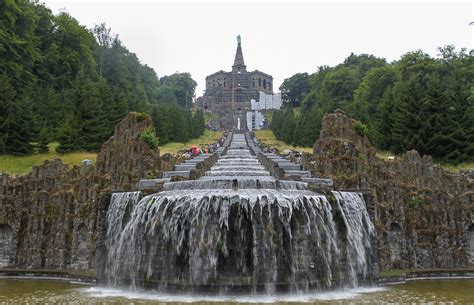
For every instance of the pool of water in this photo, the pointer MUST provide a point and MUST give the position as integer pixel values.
(53, 291)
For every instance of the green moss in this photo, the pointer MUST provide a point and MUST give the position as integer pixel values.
(394, 272)
(141, 116)
(415, 202)
(84, 273)
(361, 157)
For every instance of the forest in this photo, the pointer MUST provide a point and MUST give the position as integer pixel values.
(417, 102)
(61, 82)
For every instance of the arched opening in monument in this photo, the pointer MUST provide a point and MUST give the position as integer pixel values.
(395, 242)
(470, 243)
(264, 84)
(5, 244)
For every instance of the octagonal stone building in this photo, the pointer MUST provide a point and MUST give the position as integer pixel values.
(229, 94)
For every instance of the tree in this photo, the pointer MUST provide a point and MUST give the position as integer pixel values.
(294, 89)
(183, 87)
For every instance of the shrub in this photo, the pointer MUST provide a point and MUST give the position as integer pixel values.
(361, 128)
(149, 137)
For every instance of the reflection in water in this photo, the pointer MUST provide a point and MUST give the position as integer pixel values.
(49, 291)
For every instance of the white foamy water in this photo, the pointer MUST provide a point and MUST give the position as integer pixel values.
(343, 294)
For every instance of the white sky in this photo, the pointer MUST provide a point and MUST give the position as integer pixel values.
(279, 38)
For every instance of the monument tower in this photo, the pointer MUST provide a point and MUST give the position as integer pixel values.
(229, 94)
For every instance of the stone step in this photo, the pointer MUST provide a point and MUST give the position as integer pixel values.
(318, 181)
(146, 184)
(273, 156)
(170, 174)
(184, 167)
(289, 166)
(193, 161)
(305, 174)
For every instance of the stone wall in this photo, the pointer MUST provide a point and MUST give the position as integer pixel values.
(424, 214)
(53, 216)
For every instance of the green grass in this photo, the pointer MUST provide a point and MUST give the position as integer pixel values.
(449, 167)
(17, 165)
(385, 154)
(459, 167)
(267, 137)
(208, 137)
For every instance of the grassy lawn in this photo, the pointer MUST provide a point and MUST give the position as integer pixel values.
(449, 167)
(208, 137)
(16, 165)
(457, 168)
(267, 137)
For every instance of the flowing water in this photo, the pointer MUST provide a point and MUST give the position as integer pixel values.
(238, 229)
(236, 235)
(23, 291)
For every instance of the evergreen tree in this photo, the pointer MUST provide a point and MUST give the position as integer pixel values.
(16, 121)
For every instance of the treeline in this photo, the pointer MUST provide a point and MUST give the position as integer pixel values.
(60, 81)
(418, 102)
(172, 124)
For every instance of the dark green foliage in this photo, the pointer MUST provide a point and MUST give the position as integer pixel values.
(43, 140)
(361, 128)
(67, 136)
(418, 102)
(197, 124)
(284, 125)
(175, 124)
(179, 85)
(294, 89)
(63, 82)
(149, 137)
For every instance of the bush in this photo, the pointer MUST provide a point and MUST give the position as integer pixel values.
(148, 136)
(361, 128)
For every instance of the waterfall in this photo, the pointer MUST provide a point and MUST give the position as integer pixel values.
(204, 237)
(118, 215)
(237, 228)
(360, 230)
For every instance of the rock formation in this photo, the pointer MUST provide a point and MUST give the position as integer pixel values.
(424, 214)
(53, 216)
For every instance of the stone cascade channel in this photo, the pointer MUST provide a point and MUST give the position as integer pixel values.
(238, 168)
(238, 228)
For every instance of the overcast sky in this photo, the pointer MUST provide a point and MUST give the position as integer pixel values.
(278, 38)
